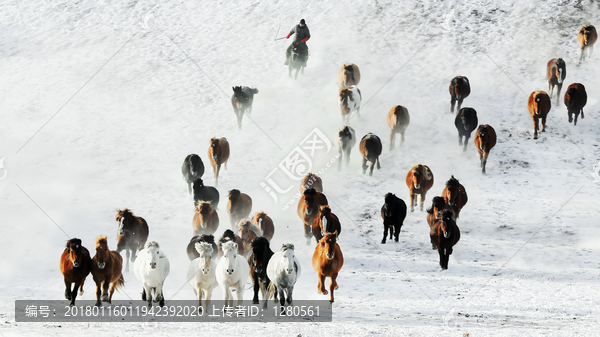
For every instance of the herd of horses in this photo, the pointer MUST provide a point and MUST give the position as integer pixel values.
(244, 249)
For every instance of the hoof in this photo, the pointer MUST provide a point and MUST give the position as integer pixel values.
(98, 304)
(396, 239)
(67, 296)
(80, 292)
(325, 292)
(382, 242)
(105, 298)
(162, 302)
(330, 301)
(412, 209)
(255, 302)
(336, 287)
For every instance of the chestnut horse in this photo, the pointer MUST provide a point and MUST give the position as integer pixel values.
(206, 219)
(455, 196)
(309, 206)
(218, 153)
(75, 265)
(311, 180)
(419, 180)
(465, 122)
(556, 71)
(192, 169)
(370, 148)
(348, 75)
(398, 120)
(539, 105)
(485, 140)
(131, 235)
(238, 207)
(350, 99)
(258, 261)
(247, 231)
(106, 270)
(325, 222)
(575, 100)
(265, 223)
(459, 90)
(393, 213)
(327, 262)
(193, 253)
(345, 141)
(587, 36)
(229, 235)
(242, 102)
(444, 234)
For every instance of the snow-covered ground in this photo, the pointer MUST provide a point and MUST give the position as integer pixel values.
(124, 91)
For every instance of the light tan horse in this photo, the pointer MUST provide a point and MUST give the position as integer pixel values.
(398, 120)
(206, 219)
(238, 207)
(419, 180)
(348, 75)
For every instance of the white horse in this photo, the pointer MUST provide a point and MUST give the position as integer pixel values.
(201, 273)
(284, 270)
(151, 267)
(232, 272)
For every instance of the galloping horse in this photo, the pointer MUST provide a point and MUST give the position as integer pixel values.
(75, 265)
(398, 120)
(242, 102)
(218, 153)
(348, 75)
(106, 270)
(152, 268)
(393, 213)
(192, 169)
(350, 99)
(370, 148)
(193, 253)
(308, 208)
(459, 90)
(201, 273)
(258, 261)
(205, 193)
(132, 234)
(311, 180)
(455, 196)
(327, 262)
(434, 213)
(325, 222)
(232, 272)
(238, 207)
(575, 100)
(444, 234)
(556, 71)
(485, 140)
(539, 105)
(228, 236)
(465, 122)
(345, 141)
(296, 61)
(587, 36)
(206, 219)
(265, 223)
(247, 231)
(419, 180)
(283, 270)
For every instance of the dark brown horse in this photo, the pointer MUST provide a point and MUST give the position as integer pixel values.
(218, 153)
(556, 71)
(311, 180)
(434, 213)
(191, 251)
(229, 235)
(75, 265)
(485, 140)
(242, 102)
(459, 90)
(131, 235)
(106, 270)
(398, 120)
(444, 234)
(393, 213)
(327, 262)
(247, 231)
(192, 169)
(538, 105)
(258, 261)
(419, 180)
(206, 219)
(348, 75)
(325, 222)
(465, 122)
(587, 36)
(238, 207)
(455, 196)
(370, 148)
(265, 223)
(309, 206)
(575, 100)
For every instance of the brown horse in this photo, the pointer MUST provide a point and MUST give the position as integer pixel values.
(325, 222)
(75, 265)
(444, 234)
(350, 99)
(327, 262)
(206, 219)
(131, 235)
(459, 90)
(229, 235)
(434, 213)
(398, 120)
(485, 140)
(247, 231)
(539, 105)
(419, 180)
(556, 71)
(218, 153)
(311, 180)
(238, 207)
(309, 206)
(370, 148)
(265, 223)
(348, 75)
(587, 36)
(242, 102)
(106, 270)
(575, 100)
(455, 196)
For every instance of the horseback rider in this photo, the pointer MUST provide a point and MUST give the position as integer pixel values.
(302, 35)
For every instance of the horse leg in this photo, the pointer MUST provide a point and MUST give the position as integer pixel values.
(348, 156)
(378, 165)
(256, 288)
(402, 138)
(441, 253)
(282, 301)
(392, 136)
(452, 103)
(263, 290)
(535, 127)
(226, 293)
(159, 295)
(296, 76)
(559, 87)
(575, 122)
(333, 286)
(550, 88)
(148, 292)
(289, 290)
(321, 285)
(217, 174)
(68, 290)
(364, 165)
(198, 290)
(371, 169)
(239, 291)
(340, 160)
(127, 257)
(412, 201)
(396, 232)
(385, 231)
(307, 233)
(240, 115)
(98, 292)
(544, 124)
(460, 139)
(105, 286)
(485, 155)
(466, 142)
(460, 100)
(582, 116)
(81, 287)
(423, 195)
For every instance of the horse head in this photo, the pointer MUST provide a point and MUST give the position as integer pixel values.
(447, 223)
(230, 252)
(324, 215)
(260, 247)
(124, 218)
(102, 251)
(390, 198)
(451, 192)
(328, 243)
(214, 146)
(483, 136)
(154, 253)
(310, 200)
(204, 210)
(205, 250)
(194, 162)
(75, 252)
(417, 176)
(438, 205)
(288, 257)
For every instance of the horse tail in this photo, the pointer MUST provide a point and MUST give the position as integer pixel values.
(271, 291)
(120, 282)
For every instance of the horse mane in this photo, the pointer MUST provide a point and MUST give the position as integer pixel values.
(325, 210)
(349, 68)
(199, 182)
(203, 247)
(345, 131)
(481, 130)
(447, 214)
(255, 229)
(234, 194)
(287, 246)
(201, 206)
(229, 245)
(74, 241)
(101, 239)
(237, 89)
(123, 213)
(452, 182)
(259, 241)
(422, 170)
(310, 191)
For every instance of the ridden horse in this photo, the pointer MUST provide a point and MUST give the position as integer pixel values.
(419, 180)
(228, 236)
(132, 234)
(575, 100)
(393, 213)
(201, 273)
(459, 90)
(345, 141)
(308, 208)
(297, 61)
(350, 99)
(556, 71)
(485, 140)
(265, 223)
(311, 180)
(242, 102)
(370, 148)
(465, 122)
(258, 261)
(348, 75)
(325, 222)
(218, 153)
(152, 268)
(206, 219)
(238, 207)
(587, 36)
(444, 234)
(106, 270)
(455, 196)
(398, 120)
(327, 261)
(283, 270)
(434, 213)
(192, 169)
(231, 272)
(193, 253)
(205, 193)
(75, 265)
(247, 231)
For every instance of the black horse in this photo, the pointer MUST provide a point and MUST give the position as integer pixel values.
(393, 213)
(465, 122)
(258, 261)
(297, 59)
(192, 169)
(242, 102)
(192, 253)
(205, 193)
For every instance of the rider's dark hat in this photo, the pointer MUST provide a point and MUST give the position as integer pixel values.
(302, 22)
